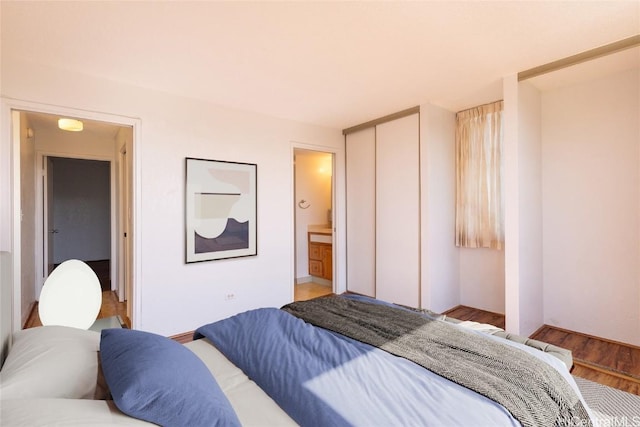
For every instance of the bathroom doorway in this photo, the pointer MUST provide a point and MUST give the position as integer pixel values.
(314, 228)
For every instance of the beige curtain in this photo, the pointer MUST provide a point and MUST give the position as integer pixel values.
(479, 199)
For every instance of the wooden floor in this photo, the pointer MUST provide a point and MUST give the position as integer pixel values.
(600, 360)
(110, 307)
(305, 291)
(604, 361)
(462, 312)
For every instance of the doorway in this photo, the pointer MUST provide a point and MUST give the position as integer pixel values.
(43, 149)
(314, 228)
(77, 204)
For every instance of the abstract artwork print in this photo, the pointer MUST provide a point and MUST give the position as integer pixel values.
(220, 209)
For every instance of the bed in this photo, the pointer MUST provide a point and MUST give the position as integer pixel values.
(344, 360)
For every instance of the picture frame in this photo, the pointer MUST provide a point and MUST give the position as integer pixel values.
(220, 209)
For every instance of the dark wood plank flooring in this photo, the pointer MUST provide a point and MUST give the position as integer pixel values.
(462, 312)
(607, 362)
(598, 359)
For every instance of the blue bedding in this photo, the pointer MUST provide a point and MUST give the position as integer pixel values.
(321, 378)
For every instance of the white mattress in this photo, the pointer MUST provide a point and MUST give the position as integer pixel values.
(64, 412)
(252, 405)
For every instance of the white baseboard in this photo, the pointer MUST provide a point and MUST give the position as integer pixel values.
(313, 279)
(304, 279)
(321, 281)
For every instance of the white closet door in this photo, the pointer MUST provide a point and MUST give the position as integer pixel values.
(398, 211)
(361, 232)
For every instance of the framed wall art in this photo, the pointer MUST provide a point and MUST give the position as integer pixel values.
(220, 207)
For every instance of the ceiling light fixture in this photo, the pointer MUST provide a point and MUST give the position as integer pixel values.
(72, 125)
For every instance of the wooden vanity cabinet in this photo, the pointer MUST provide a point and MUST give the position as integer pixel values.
(320, 258)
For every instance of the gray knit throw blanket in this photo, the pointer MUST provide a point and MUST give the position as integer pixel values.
(530, 389)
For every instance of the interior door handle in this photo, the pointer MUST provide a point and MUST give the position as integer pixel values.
(54, 231)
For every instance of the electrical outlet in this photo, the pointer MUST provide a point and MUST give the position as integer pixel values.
(229, 297)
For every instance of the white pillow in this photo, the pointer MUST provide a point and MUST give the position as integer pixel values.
(51, 362)
(64, 412)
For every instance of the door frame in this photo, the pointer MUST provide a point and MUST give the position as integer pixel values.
(42, 236)
(338, 213)
(124, 226)
(10, 236)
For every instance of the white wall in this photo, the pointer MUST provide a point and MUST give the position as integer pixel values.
(9, 259)
(313, 184)
(523, 222)
(176, 297)
(6, 303)
(590, 140)
(511, 161)
(530, 212)
(61, 143)
(482, 278)
(28, 224)
(440, 263)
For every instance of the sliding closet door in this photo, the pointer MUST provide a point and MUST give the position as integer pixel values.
(398, 211)
(361, 232)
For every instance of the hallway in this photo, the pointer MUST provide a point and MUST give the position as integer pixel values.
(110, 307)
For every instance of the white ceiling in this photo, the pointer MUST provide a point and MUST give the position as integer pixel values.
(330, 63)
(42, 121)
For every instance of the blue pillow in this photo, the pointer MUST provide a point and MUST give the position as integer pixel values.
(156, 379)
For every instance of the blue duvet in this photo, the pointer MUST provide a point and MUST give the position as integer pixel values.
(325, 379)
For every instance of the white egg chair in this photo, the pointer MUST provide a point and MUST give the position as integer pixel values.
(71, 296)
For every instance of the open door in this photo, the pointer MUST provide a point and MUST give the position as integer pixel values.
(124, 288)
(49, 229)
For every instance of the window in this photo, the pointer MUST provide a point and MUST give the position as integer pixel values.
(479, 198)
